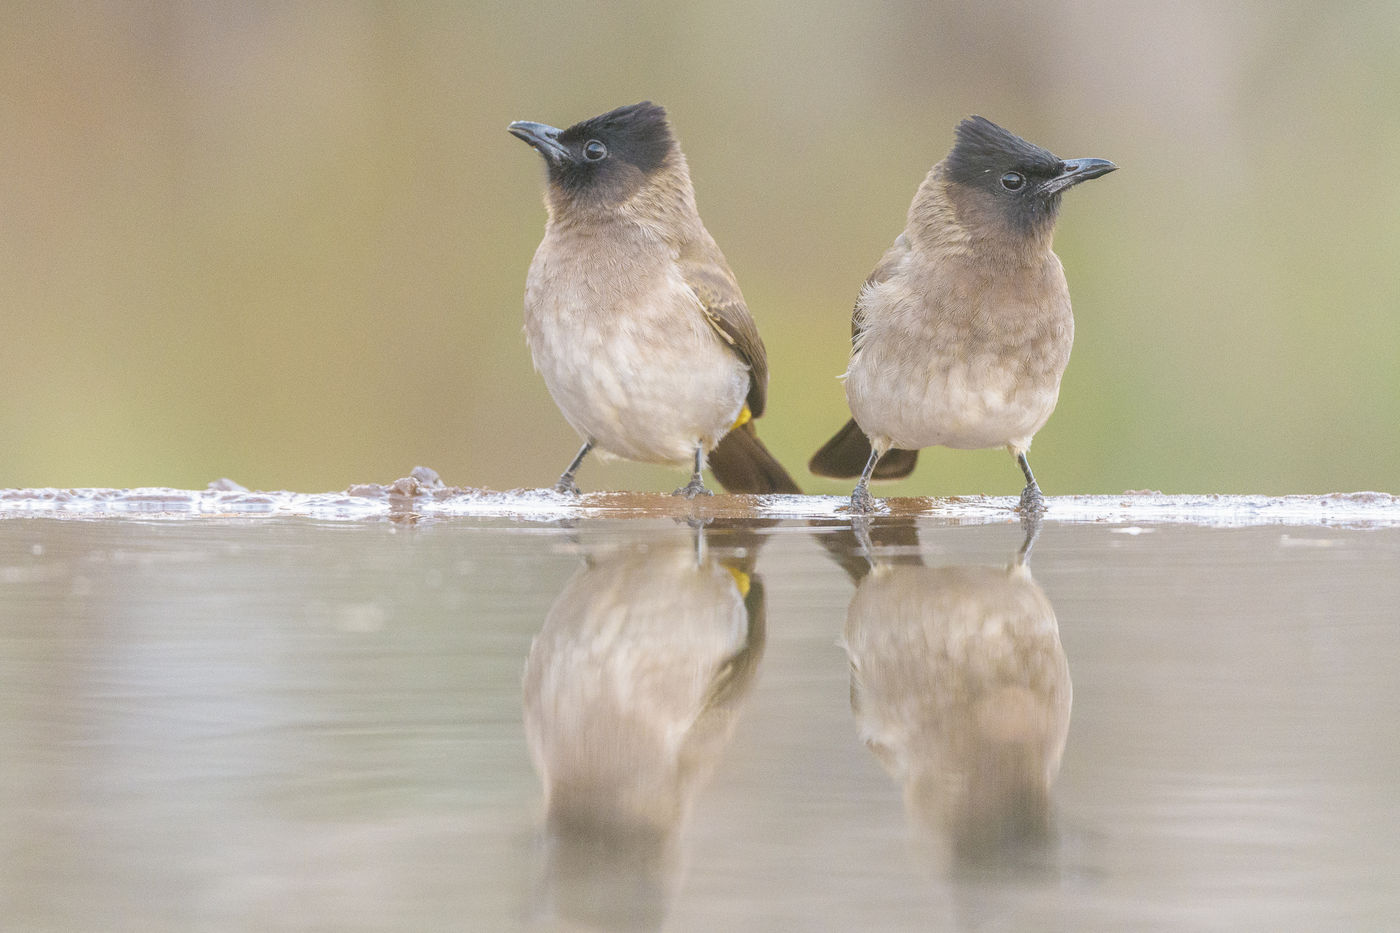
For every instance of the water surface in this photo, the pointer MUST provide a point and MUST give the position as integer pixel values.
(481, 724)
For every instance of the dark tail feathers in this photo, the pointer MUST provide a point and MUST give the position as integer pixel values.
(742, 464)
(844, 456)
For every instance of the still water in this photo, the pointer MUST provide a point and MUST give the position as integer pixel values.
(465, 724)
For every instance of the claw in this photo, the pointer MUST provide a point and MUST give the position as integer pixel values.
(1032, 500)
(862, 501)
(696, 487)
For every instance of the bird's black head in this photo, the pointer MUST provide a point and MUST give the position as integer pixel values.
(606, 157)
(1021, 179)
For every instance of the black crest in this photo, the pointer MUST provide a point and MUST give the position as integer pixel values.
(1017, 176)
(638, 135)
(985, 151)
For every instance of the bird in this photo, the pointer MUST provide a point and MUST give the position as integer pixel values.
(633, 316)
(961, 333)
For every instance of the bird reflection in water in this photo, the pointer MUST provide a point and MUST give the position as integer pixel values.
(632, 691)
(961, 689)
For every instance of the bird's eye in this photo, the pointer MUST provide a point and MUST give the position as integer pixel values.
(593, 150)
(1012, 180)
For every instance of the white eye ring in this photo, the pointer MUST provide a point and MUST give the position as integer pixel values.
(1012, 180)
(593, 150)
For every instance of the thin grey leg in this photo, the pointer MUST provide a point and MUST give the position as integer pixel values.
(1031, 498)
(566, 484)
(861, 499)
(696, 486)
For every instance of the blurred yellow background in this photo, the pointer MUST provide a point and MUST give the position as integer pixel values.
(287, 243)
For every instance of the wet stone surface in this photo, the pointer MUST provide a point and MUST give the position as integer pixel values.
(423, 493)
(379, 710)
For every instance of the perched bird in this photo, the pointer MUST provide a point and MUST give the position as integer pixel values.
(961, 334)
(632, 314)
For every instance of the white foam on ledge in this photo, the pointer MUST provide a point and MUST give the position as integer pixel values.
(423, 495)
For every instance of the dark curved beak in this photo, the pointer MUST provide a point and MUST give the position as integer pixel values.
(543, 137)
(1074, 171)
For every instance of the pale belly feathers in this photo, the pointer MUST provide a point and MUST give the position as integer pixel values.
(983, 371)
(967, 404)
(646, 386)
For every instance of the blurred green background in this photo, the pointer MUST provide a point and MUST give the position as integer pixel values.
(286, 243)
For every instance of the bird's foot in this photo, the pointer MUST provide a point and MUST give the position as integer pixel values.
(696, 487)
(862, 502)
(1032, 500)
(566, 486)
